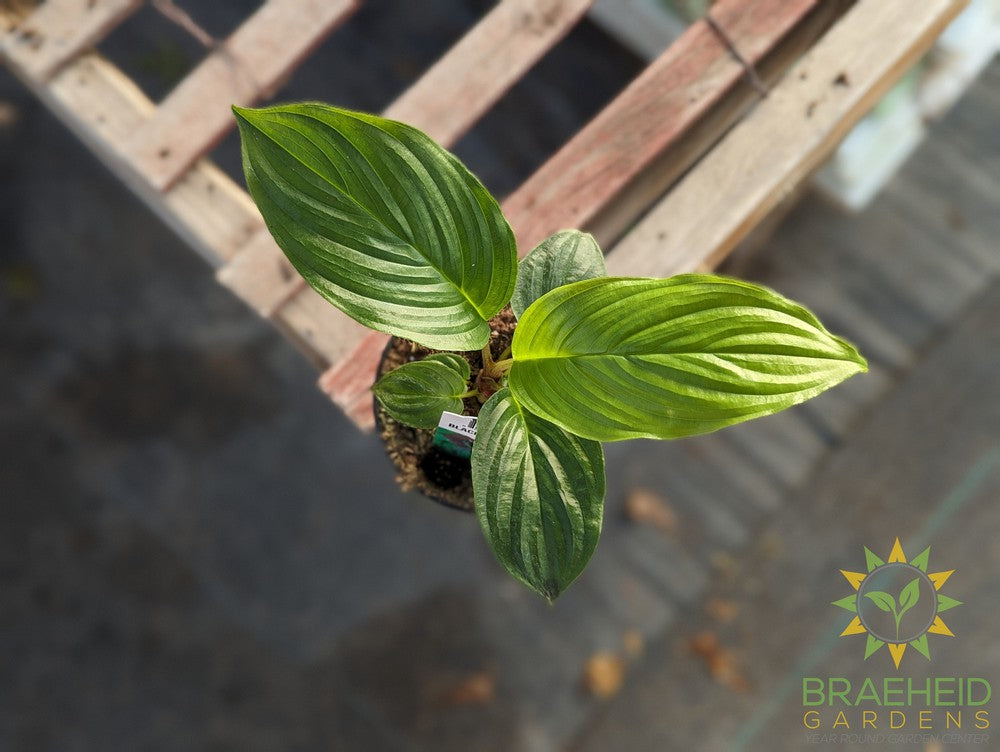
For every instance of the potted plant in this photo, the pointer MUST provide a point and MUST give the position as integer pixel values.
(396, 232)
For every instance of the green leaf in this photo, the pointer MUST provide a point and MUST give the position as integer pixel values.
(944, 603)
(381, 221)
(417, 393)
(883, 600)
(871, 560)
(568, 256)
(622, 358)
(871, 645)
(850, 603)
(920, 560)
(920, 645)
(909, 595)
(539, 494)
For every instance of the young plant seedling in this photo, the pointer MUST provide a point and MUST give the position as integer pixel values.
(397, 233)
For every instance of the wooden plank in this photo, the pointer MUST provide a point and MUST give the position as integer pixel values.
(261, 275)
(324, 333)
(673, 95)
(348, 382)
(785, 138)
(485, 63)
(104, 107)
(58, 31)
(251, 64)
(216, 216)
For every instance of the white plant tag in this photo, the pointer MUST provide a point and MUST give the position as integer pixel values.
(464, 424)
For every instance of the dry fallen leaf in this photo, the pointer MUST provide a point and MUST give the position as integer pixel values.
(9, 114)
(725, 565)
(771, 545)
(722, 609)
(649, 508)
(721, 662)
(604, 674)
(633, 643)
(476, 689)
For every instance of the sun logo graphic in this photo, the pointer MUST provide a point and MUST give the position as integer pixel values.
(897, 603)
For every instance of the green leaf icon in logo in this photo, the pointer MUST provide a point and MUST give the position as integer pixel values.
(908, 598)
(883, 600)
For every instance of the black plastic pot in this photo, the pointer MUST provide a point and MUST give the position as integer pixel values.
(419, 465)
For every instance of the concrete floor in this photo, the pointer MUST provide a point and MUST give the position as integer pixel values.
(198, 553)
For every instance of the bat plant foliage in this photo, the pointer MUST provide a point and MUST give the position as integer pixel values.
(392, 229)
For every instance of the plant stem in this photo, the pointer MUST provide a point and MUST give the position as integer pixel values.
(470, 393)
(487, 359)
(505, 354)
(501, 367)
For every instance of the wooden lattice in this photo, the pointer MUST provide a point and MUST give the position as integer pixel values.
(670, 176)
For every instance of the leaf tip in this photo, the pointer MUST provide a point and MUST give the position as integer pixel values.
(859, 360)
(245, 116)
(550, 590)
(852, 354)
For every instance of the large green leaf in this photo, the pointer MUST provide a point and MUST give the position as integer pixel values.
(417, 393)
(539, 494)
(568, 256)
(883, 600)
(909, 595)
(621, 358)
(381, 221)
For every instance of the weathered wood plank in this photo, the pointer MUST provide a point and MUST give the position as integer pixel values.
(261, 275)
(104, 107)
(455, 92)
(348, 382)
(669, 99)
(785, 138)
(325, 334)
(216, 214)
(250, 64)
(59, 30)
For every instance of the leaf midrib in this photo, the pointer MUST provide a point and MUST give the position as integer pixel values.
(580, 356)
